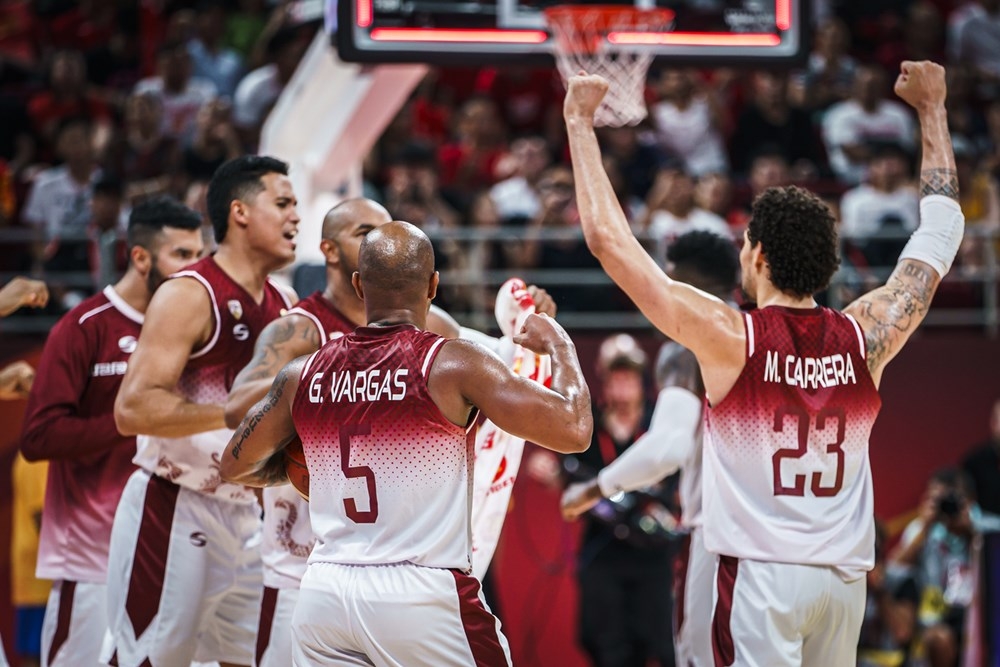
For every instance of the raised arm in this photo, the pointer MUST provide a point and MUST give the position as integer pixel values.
(696, 320)
(178, 320)
(281, 341)
(253, 455)
(465, 374)
(890, 314)
(669, 442)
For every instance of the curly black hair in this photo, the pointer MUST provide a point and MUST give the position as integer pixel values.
(711, 256)
(798, 235)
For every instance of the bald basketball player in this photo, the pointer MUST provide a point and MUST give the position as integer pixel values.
(387, 416)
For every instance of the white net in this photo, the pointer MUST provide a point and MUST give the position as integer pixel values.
(581, 39)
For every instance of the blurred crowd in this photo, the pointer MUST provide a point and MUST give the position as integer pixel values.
(106, 102)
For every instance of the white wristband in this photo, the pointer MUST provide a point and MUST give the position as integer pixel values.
(939, 236)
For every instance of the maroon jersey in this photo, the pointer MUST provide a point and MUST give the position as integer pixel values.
(389, 476)
(786, 467)
(70, 421)
(330, 322)
(193, 461)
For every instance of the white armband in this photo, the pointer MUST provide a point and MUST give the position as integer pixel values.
(939, 235)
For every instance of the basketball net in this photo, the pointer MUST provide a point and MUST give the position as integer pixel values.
(581, 43)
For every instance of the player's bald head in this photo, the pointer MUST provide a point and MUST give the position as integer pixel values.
(351, 213)
(396, 259)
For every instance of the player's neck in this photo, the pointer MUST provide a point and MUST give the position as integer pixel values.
(345, 299)
(768, 295)
(244, 268)
(133, 290)
(388, 317)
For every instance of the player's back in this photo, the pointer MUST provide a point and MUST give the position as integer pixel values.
(193, 461)
(390, 476)
(786, 469)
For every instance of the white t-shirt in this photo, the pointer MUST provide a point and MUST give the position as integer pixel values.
(848, 123)
(515, 197)
(665, 227)
(863, 210)
(179, 109)
(979, 43)
(58, 203)
(689, 134)
(254, 96)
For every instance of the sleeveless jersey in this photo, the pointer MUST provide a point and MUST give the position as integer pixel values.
(787, 477)
(288, 536)
(390, 477)
(193, 461)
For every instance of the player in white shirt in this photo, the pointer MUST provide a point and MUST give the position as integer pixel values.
(791, 389)
(386, 417)
(673, 441)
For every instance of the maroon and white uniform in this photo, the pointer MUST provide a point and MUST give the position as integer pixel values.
(70, 421)
(788, 500)
(391, 494)
(184, 573)
(288, 536)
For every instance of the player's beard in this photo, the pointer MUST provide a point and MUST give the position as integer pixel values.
(155, 278)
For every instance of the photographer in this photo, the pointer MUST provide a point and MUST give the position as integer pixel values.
(936, 547)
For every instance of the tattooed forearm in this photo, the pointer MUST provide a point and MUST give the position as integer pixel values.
(254, 418)
(939, 182)
(891, 313)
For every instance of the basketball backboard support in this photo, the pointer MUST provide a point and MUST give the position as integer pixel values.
(717, 33)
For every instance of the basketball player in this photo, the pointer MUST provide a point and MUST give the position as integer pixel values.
(337, 310)
(791, 389)
(386, 416)
(70, 422)
(707, 262)
(184, 575)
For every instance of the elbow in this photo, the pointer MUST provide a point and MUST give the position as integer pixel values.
(580, 434)
(233, 414)
(31, 449)
(126, 417)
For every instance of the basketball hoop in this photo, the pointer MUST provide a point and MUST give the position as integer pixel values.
(581, 43)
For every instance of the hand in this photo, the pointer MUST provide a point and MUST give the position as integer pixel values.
(16, 380)
(23, 292)
(583, 95)
(921, 84)
(544, 304)
(578, 498)
(541, 334)
(928, 511)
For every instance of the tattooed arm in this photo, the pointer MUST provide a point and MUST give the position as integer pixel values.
(281, 341)
(890, 314)
(253, 455)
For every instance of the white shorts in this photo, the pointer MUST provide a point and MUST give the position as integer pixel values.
(400, 615)
(693, 603)
(782, 614)
(184, 578)
(274, 634)
(76, 618)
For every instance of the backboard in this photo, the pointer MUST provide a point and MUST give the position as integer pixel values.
(496, 32)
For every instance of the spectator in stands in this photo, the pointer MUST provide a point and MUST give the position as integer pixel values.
(215, 141)
(212, 60)
(828, 76)
(143, 155)
(886, 204)
(65, 96)
(688, 121)
(769, 121)
(980, 201)
(639, 160)
(714, 193)
(671, 210)
(107, 227)
(528, 100)
(259, 90)
(957, 20)
(979, 40)
(769, 169)
(850, 127)
(890, 620)
(922, 38)
(17, 145)
(517, 196)
(58, 204)
(469, 161)
(182, 94)
(982, 465)
(245, 25)
(936, 546)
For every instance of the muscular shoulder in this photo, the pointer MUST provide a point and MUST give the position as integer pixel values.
(181, 304)
(676, 366)
(294, 330)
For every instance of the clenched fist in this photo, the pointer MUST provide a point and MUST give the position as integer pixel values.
(584, 93)
(16, 380)
(541, 334)
(921, 84)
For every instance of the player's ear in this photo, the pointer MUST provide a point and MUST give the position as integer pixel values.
(140, 259)
(432, 288)
(358, 289)
(329, 252)
(238, 213)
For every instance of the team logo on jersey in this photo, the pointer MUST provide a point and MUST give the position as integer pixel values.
(235, 308)
(127, 344)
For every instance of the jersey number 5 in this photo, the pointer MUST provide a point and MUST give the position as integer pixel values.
(798, 487)
(350, 505)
